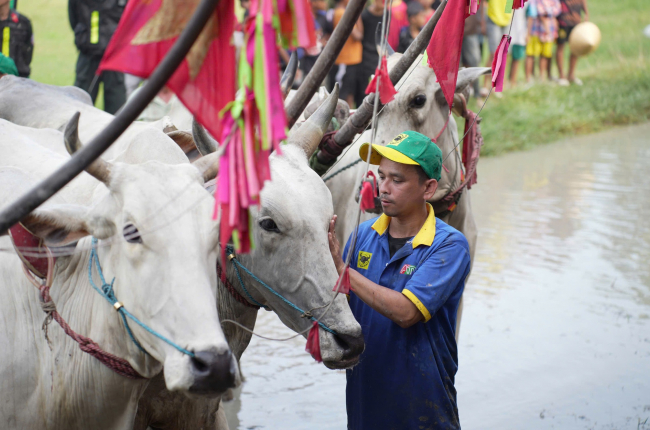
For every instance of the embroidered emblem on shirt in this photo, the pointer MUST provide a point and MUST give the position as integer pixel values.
(364, 259)
(407, 269)
(398, 139)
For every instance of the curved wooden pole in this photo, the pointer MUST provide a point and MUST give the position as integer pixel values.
(325, 61)
(362, 117)
(96, 147)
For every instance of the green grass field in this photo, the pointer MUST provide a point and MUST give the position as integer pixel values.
(616, 77)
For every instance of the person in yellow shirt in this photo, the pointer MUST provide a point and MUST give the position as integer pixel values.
(349, 59)
(498, 22)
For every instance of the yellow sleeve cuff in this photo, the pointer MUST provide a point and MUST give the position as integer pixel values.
(425, 312)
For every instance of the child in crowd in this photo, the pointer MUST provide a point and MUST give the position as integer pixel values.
(417, 17)
(542, 32)
(349, 59)
(570, 16)
(519, 35)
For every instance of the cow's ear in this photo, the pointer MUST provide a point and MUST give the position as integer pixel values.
(58, 225)
(465, 79)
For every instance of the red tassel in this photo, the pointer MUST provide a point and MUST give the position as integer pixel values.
(499, 64)
(368, 192)
(344, 288)
(313, 343)
(386, 89)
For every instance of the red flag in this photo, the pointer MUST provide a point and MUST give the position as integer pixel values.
(445, 46)
(344, 288)
(387, 90)
(205, 80)
(499, 63)
(313, 343)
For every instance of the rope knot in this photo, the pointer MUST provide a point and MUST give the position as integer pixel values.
(307, 315)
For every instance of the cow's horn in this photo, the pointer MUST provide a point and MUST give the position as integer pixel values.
(208, 165)
(286, 81)
(204, 142)
(310, 132)
(389, 49)
(99, 168)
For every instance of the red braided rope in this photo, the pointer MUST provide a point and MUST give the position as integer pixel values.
(113, 362)
(224, 280)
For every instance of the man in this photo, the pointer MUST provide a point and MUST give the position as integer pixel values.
(93, 24)
(16, 38)
(417, 16)
(407, 275)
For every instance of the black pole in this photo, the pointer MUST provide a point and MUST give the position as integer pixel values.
(96, 147)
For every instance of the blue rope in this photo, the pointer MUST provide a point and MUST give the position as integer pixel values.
(108, 293)
(230, 250)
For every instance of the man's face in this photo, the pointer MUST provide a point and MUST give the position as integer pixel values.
(401, 190)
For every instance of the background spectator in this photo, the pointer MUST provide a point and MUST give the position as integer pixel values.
(323, 32)
(417, 17)
(470, 55)
(17, 38)
(93, 24)
(349, 59)
(371, 19)
(570, 16)
(498, 22)
(542, 32)
(519, 35)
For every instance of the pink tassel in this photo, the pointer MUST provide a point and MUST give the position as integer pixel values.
(499, 64)
(344, 288)
(473, 6)
(368, 192)
(313, 343)
(386, 89)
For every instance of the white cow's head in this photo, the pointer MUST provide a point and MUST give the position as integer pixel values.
(158, 240)
(420, 106)
(292, 251)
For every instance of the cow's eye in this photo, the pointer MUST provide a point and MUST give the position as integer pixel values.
(131, 234)
(419, 101)
(269, 225)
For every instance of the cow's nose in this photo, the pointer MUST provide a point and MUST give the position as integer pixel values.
(214, 372)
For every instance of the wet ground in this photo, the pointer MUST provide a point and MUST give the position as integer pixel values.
(556, 327)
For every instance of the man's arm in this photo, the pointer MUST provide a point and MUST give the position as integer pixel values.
(391, 304)
(586, 10)
(72, 13)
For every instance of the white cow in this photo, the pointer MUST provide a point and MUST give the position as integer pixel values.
(147, 247)
(299, 204)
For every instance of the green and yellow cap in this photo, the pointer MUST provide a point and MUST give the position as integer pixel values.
(7, 66)
(409, 147)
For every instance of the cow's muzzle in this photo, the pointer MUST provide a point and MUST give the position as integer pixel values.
(214, 372)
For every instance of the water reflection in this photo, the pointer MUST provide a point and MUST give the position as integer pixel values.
(556, 328)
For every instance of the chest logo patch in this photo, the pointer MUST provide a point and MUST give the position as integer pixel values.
(407, 269)
(364, 259)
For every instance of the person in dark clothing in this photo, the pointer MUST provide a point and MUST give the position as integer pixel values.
(371, 18)
(94, 23)
(323, 31)
(17, 38)
(417, 16)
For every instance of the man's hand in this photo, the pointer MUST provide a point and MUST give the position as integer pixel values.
(335, 247)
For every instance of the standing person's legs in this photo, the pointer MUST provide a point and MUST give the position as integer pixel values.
(573, 61)
(544, 60)
(494, 34)
(85, 74)
(559, 59)
(471, 56)
(114, 91)
(518, 53)
(533, 49)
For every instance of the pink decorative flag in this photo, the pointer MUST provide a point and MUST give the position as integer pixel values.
(344, 288)
(499, 63)
(473, 6)
(444, 49)
(518, 4)
(313, 343)
(386, 89)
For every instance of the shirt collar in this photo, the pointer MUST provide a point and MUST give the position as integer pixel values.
(424, 237)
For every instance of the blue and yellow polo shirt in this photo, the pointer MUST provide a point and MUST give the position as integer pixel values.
(405, 377)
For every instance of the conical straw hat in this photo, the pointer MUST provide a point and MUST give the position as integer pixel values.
(584, 39)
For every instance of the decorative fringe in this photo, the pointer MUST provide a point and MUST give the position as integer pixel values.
(255, 123)
(313, 343)
(386, 89)
(499, 63)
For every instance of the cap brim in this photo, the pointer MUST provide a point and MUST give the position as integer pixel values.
(379, 152)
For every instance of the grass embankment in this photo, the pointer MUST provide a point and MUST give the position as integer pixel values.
(616, 78)
(616, 87)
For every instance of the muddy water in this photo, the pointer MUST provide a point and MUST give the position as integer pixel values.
(556, 327)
